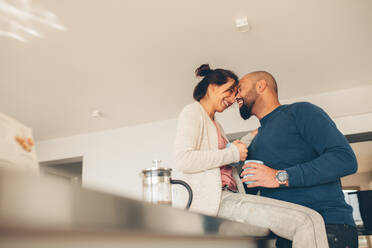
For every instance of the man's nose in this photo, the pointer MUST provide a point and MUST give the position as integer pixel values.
(237, 96)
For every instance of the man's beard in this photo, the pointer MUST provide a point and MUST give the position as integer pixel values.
(246, 110)
(248, 102)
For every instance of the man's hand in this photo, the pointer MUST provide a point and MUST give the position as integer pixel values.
(263, 176)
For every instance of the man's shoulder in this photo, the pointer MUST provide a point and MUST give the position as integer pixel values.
(307, 112)
(302, 108)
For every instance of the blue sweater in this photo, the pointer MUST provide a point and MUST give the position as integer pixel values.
(302, 139)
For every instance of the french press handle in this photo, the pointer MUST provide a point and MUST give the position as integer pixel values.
(183, 183)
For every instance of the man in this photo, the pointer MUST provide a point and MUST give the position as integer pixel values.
(304, 156)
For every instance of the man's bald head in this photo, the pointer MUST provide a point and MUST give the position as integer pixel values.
(256, 76)
(257, 94)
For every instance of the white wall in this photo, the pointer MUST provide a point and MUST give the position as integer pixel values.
(112, 160)
(360, 179)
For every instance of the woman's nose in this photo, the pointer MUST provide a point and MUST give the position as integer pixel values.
(232, 98)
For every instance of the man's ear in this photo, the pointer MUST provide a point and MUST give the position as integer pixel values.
(261, 85)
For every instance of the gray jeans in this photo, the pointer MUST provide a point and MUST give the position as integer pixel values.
(304, 226)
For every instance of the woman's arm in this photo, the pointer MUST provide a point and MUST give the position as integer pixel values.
(187, 158)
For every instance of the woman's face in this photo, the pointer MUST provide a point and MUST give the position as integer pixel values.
(222, 96)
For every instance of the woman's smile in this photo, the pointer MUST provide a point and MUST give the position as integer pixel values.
(226, 103)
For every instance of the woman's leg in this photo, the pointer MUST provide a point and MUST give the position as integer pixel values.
(304, 226)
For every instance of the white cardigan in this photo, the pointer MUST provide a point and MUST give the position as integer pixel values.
(198, 158)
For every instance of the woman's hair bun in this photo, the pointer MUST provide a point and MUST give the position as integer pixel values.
(203, 70)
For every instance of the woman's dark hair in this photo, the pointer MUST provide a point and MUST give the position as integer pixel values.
(217, 76)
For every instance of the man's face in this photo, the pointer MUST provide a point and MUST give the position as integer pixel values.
(246, 97)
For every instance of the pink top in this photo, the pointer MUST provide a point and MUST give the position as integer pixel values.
(226, 170)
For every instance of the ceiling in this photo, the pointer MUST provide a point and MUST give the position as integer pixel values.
(134, 60)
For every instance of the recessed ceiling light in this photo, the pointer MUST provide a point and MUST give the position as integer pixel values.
(242, 24)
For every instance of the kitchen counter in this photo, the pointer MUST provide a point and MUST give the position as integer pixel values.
(42, 212)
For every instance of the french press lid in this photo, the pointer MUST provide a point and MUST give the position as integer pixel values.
(156, 170)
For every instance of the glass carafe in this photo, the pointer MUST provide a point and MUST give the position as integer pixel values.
(157, 185)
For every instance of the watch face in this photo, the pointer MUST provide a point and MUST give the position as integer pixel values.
(282, 176)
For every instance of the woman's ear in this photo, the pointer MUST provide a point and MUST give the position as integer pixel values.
(212, 87)
(210, 90)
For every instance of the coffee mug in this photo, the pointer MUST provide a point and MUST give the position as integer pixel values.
(248, 175)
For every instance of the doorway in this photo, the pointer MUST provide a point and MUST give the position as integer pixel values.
(70, 169)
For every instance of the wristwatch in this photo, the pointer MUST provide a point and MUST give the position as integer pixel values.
(282, 178)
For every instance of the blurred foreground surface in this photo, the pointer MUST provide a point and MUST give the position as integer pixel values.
(41, 212)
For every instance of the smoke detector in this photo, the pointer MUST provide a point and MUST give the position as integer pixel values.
(96, 114)
(242, 24)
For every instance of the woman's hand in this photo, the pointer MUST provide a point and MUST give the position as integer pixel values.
(242, 149)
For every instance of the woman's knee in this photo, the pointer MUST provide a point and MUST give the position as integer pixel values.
(314, 220)
(315, 216)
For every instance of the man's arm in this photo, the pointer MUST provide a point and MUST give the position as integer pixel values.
(336, 158)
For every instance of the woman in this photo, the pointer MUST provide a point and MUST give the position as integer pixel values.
(203, 158)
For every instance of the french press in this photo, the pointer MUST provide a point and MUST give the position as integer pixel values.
(157, 187)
